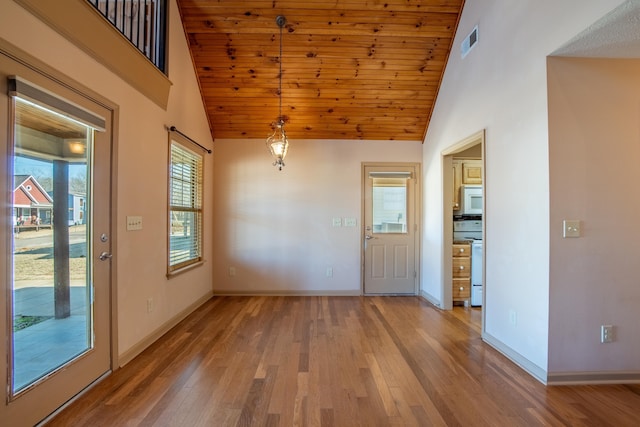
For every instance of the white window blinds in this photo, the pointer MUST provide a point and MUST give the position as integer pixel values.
(185, 207)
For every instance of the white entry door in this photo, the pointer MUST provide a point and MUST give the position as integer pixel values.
(390, 229)
(55, 257)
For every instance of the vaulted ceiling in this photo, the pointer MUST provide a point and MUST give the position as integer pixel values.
(351, 69)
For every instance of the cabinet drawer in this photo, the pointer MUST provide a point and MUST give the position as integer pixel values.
(461, 249)
(461, 267)
(461, 288)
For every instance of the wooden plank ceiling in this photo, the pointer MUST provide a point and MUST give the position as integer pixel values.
(351, 69)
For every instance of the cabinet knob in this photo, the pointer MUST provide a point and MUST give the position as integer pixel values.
(462, 267)
(461, 249)
(461, 288)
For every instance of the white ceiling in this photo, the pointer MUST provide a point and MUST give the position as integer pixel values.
(616, 35)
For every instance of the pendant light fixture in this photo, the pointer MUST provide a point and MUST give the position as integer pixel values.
(277, 142)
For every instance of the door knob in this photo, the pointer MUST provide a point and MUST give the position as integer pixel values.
(369, 237)
(105, 256)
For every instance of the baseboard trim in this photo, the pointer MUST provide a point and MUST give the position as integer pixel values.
(431, 299)
(584, 378)
(531, 368)
(142, 345)
(327, 293)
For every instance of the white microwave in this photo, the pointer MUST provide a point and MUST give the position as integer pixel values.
(472, 200)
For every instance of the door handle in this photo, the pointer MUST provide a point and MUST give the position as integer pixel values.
(105, 256)
(369, 237)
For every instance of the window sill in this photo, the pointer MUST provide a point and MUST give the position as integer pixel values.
(82, 25)
(184, 269)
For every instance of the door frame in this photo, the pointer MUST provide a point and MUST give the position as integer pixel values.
(49, 73)
(418, 215)
(447, 216)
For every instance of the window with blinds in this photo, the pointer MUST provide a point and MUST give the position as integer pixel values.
(185, 207)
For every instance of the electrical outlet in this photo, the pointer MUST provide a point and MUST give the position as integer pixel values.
(329, 271)
(571, 228)
(606, 333)
(232, 271)
(337, 222)
(149, 305)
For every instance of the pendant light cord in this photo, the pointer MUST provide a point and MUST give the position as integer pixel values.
(280, 24)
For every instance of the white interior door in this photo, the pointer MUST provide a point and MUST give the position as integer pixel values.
(390, 229)
(55, 259)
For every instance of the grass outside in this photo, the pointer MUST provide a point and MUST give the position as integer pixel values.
(29, 267)
(21, 322)
(33, 261)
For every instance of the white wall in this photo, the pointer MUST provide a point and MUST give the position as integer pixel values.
(275, 227)
(594, 150)
(501, 86)
(141, 170)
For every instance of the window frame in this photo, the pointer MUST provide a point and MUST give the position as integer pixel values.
(197, 205)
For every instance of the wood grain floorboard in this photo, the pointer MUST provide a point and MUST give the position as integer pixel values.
(333, 362)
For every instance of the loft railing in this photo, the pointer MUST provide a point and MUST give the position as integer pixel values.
(142, 22)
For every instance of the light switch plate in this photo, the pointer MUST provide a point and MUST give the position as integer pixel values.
(134, 223)
(350, 222)
(571, 228)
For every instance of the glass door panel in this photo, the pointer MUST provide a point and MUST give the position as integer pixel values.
(52, 322)
(389, 205)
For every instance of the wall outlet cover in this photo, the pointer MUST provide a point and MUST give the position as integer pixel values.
(571, 228)
(606, 333)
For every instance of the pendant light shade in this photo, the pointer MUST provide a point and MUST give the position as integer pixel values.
(277, 142)
(278, 145)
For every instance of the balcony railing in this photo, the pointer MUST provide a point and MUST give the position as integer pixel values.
(142, 22)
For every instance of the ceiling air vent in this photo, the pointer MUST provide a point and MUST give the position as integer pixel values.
(469, 42)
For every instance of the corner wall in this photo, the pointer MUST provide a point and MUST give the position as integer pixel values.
(501, 87)
(594, 147)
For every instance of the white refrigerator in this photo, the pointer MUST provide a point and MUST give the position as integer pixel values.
(476, 273)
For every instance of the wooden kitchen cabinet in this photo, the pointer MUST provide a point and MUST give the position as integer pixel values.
(461, 283)
(472, 172)
(465, 171)
(457, 184)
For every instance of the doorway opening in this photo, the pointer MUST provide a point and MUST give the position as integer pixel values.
(464, 180)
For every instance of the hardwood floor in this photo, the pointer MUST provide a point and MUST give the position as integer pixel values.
(336, 361)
